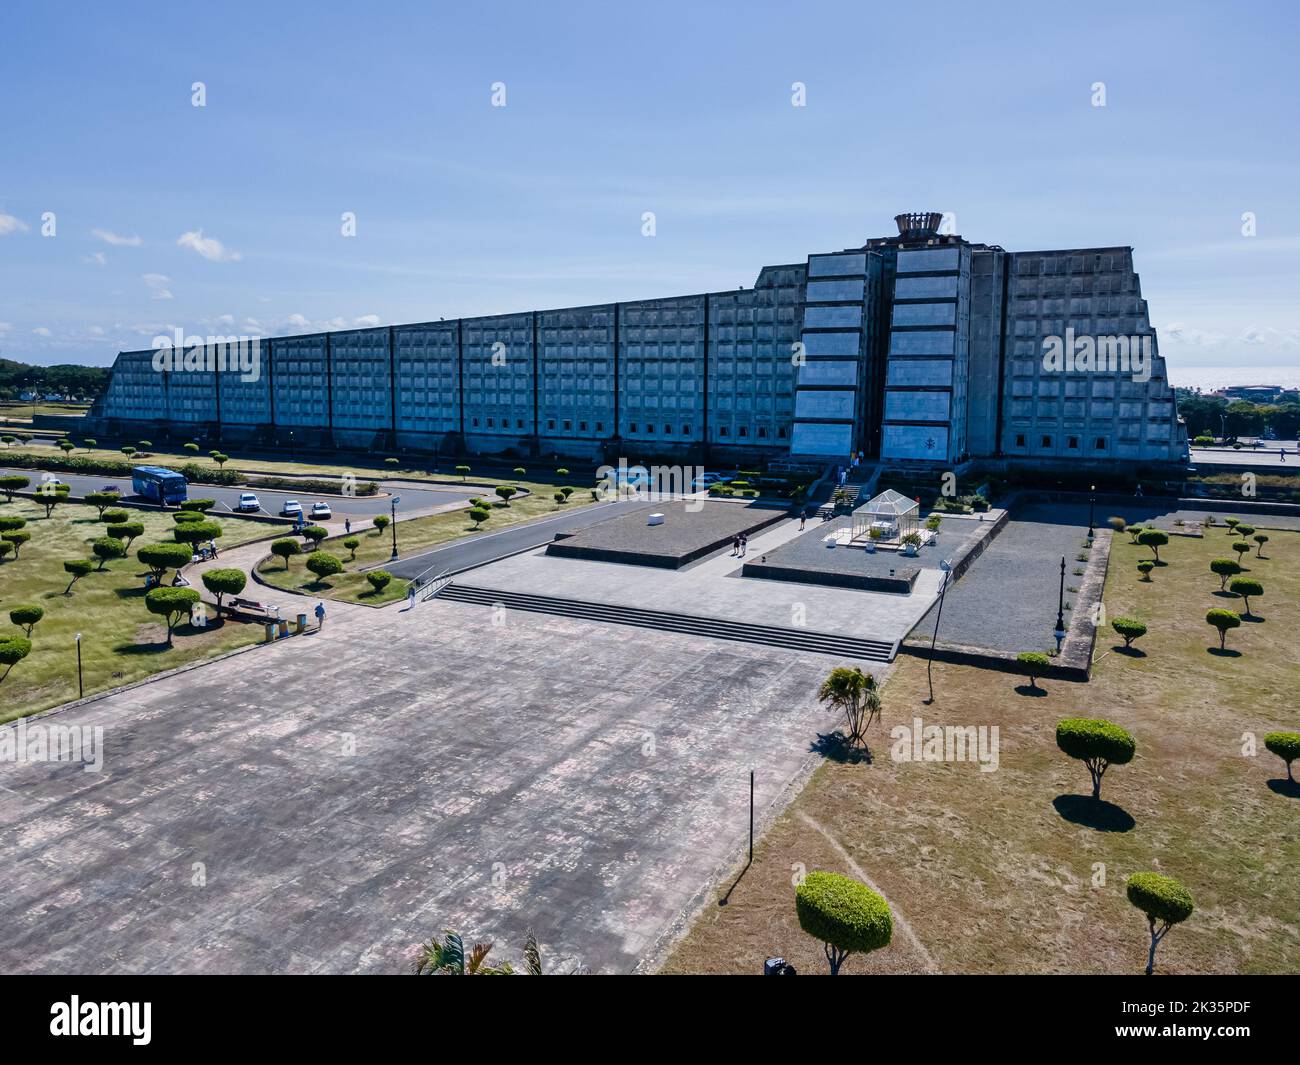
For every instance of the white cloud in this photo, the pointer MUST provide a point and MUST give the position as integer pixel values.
(96, 258)
(5, 327)
(157, 285)
(10, 224)
(298, 322)
(41, 331)
(366, 320)
(209, 247)
(226, 319)
(97, 330)
(109, 237)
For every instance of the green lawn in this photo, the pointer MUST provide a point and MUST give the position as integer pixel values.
(414, 535)
(991, 876)
(121, 641)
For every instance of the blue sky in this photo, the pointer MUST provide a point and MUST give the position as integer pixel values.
(227, 217)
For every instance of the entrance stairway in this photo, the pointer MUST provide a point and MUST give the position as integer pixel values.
(770, 635)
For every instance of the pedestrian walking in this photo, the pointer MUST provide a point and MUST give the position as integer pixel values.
(213, 545)
(744, 544)
(347, 526)
(410, 594)
(735, 545)
(320, 615)
(803, 519)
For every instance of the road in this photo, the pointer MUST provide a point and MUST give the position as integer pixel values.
(1247, 456)
(414, 500)
(478, 550)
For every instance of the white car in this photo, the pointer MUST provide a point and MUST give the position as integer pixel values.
(321, 512)
(248, 501)
(291, 509)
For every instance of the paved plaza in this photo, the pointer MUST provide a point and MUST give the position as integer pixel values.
(323, 804)
(714, 588)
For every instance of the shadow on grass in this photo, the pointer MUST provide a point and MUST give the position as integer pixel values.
(1223, 652)
(1254, 619)
(1093, 813)
(142, 648)
(1225, 594)
(1282, 786)
(836, 748)
(1131, 652)
(1033, 692)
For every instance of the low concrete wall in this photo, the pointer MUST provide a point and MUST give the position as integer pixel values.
(898, 584)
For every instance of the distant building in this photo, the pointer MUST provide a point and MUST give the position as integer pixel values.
(920, 348)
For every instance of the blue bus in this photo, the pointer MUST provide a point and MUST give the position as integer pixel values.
(158, 485)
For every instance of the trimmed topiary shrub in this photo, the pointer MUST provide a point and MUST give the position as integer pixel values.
(162, 557)
(13, 482)
(847, 917)
(1245, 531)
(1164, 901)
(478, 515)
(323, 565)
(1286, 745)
(26, 615)
(200, 506)
(1145, 567)
(195, 532)
(285, 549)
(1129, 628)
(314, 533)
(1154, 539)
(106, 548)
(1134, 531)
(127, 530)
(1246, 587)
(1223, 620)
(1241, 547)
(223, 582)
(381, 522)
(171, 604)
(15, 539)
(352, 543)
(101, 501)
(379, 579)
(115, 517)
(1096, 743)
(13, 649)
(77, 568)
(1034, 665)
(463, 471)
(1224, 568)
(505, 491)
(187, 517)
(1261, 539)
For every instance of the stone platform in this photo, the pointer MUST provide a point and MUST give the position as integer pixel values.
(691, 529)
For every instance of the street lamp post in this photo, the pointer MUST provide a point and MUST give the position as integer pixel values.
(751, 817)
(1092, 502)
(81, 688)
(393, 525)
(1059, 632)
(946, 566)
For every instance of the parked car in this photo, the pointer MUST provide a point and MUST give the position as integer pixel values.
(249, 501)
(291, 509)
(111, 488)
(321, 512)
(708, 480)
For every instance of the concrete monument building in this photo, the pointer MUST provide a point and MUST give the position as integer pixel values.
(917, 348)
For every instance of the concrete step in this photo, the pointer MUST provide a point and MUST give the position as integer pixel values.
(769, 635)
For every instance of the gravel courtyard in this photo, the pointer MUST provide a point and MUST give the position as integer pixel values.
(327, 803)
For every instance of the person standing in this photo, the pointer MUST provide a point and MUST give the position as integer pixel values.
(735, 545)
(744, 544)
(320, 615)
(803, 519)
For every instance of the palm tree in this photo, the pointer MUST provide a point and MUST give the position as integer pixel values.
(448, 958)
(856, 696)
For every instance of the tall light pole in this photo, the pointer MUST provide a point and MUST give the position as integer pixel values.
(1059, 632)
(393, 525)
(1092, 501)
(81, 689)
(946, 566)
